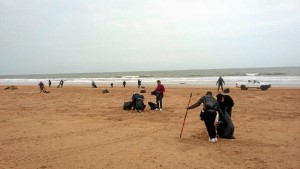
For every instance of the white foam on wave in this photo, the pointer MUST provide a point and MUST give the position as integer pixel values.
(211, 80)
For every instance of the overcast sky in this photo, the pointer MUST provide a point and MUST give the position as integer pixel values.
(66, 36)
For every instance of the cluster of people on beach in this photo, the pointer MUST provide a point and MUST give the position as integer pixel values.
(43, 89)
(137, 100)
(216, 113)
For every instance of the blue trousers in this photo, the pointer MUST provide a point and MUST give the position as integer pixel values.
(159, 101)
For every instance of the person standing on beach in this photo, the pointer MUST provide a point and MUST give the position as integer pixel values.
(111, 85)
(124, 83)
(139, 83)
(159, 93)
(49, 82)
(220, 83)
(209, 114)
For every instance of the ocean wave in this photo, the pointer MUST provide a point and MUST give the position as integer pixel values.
(145, 76)
(229, 80)
(273, 74)
(130, 77)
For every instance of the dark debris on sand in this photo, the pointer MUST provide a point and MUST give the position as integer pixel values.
(11, 88)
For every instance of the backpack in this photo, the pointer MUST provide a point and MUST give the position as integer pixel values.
(139, 105)
(137, 96)
(210, 103)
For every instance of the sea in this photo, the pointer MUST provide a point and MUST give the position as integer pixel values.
(276, 76)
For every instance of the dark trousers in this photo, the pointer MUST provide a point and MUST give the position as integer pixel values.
(219, 87)
(159, 101)
(229, 111)
(209, 123)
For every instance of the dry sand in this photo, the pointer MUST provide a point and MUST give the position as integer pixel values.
(79, 127)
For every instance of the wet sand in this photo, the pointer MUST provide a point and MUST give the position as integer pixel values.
(79, 127)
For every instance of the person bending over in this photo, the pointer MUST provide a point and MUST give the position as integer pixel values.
(209, 114)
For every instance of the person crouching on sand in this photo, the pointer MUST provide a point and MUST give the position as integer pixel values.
(42, 88)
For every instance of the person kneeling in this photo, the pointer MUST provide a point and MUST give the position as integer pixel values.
(138, 102)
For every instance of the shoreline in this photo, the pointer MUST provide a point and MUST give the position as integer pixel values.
(150, 85)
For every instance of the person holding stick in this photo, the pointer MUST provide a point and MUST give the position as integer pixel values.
(209, 114)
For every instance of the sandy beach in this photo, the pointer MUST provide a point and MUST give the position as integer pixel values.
(79, 127)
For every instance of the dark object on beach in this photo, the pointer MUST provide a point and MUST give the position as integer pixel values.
(127, 105)
(152, 105)
(143, 90)
(139, 83)
(61, 84)
(124, 83)
(94, 84)
(42, 88)
(153, 93)
(138, 102)
(11, 88)
(105, 91)
(226, 128)
(139, 105)
(227, 90)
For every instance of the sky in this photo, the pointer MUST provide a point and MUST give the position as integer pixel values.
(78, 36)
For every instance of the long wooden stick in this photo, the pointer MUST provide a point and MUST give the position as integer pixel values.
(185, 115)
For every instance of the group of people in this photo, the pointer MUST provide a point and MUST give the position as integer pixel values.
(112, 84)
(137, 100)
(124, 83)
(216, 114)
(43, 89)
